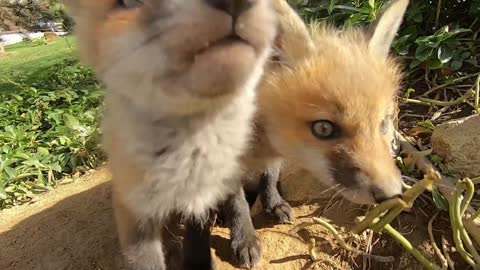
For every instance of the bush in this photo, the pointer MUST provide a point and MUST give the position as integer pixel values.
(438, 37)
(49, 130)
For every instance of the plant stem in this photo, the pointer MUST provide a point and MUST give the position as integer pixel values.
(457, 236)
(434, 244)
(347, 8)
(475, 215)
(458, 218)
(477, 95)
(451, 264)
(459, 79)
(473, 229)
(408, 197)
(376, 212)
(416, 101)
(339, 239)
(437, 16)
(412, 250)
(446, 186)
(470, 190)
(454, 102)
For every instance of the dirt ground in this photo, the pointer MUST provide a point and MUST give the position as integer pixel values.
(71, 227)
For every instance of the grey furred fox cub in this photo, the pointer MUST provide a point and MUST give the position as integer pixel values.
(328, 103)
(180, 78)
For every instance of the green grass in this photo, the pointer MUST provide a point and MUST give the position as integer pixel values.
(50, 108)
(30, 60)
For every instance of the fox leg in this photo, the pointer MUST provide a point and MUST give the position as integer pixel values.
(140, 239)
(196, 246)
(272, 202)
(246, 246)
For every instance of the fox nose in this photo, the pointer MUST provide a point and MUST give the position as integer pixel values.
(232, 7)
(381, 194)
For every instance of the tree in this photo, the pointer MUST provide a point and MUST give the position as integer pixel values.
(23, 15)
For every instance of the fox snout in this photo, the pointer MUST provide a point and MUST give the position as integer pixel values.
(367, 179)
(382, 188)
(232, 7)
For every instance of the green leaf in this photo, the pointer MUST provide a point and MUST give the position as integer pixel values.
(11, 173)
(423, 53)
(64, 140)
(402, 45)
(43, 151)
(21, 155)
(439, 200)
(6, 149)
(429, 41)
(17, 97)
(418, 18)
(456, 64)
(434, 64)
(445, 53)
(460, 31)
(331, 6)
(10, 189)
(34, 162)
(3, 193)
(452, 42)
(442, 31)
(435, 159)
(415, 63)
(56, 116)
(426, 124)
(466, 55)
(371, 3)
(71, 121)
(56, 167)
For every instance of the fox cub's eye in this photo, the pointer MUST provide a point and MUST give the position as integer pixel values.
(130, 3)
(384, 126)
(324, 130)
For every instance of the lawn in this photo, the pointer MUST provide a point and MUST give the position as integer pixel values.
(49, 113)
(30, 59)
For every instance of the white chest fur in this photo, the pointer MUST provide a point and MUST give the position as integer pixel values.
(190, 163)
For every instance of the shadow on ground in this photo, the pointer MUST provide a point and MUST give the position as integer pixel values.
(77, 232)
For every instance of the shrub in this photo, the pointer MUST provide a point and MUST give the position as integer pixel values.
(438, 37)
(48, 130)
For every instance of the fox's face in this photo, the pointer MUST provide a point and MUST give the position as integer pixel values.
(140, 46)
(333, 110)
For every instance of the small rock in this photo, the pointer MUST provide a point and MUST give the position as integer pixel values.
(458, 143)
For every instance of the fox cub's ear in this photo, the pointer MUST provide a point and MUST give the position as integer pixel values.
(293, 41)
(387, 27)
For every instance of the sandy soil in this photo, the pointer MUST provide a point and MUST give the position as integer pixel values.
(71, 228)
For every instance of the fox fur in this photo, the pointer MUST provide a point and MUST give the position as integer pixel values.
(179, 106)
(319, 72)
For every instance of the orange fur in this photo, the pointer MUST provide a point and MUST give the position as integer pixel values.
(340, 79)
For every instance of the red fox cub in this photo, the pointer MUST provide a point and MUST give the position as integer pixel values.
(329, 105)
(180, 78)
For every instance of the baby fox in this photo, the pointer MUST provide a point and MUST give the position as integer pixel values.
(180, 78)
(329, 105)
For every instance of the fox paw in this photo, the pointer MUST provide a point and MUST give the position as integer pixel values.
(282, 212)
(248, 252)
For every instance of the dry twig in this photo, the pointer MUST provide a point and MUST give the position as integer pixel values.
(336, 235)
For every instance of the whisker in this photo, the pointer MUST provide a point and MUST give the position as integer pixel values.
(329, 203)
(329, 189)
